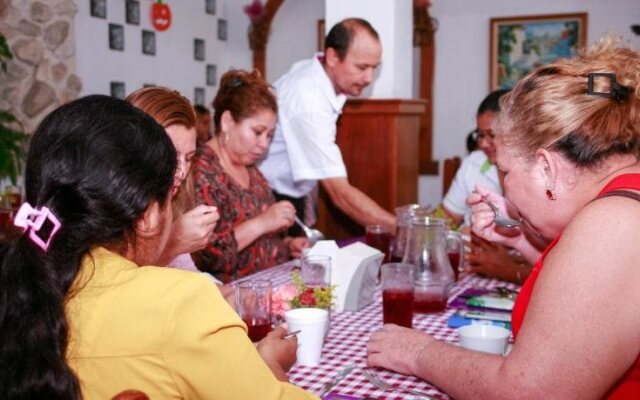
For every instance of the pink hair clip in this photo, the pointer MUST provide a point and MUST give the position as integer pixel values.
(32, 220)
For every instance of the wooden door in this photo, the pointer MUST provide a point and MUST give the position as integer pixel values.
(379, 140)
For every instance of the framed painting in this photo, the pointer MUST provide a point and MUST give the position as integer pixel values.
(210, 7)
(148, 42)
(521, 44)
(132, 12)
(98, 8)
(116, 37)
(118, 89)
(198, 49)
(198, 96)
(211, 75)
(222, 29)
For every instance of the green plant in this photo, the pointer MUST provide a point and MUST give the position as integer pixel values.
(5, 53)
(12, 141)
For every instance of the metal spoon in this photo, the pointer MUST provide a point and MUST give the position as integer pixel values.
(499, 219)
(312, 234)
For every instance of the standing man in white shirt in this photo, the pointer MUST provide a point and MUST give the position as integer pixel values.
(310, 99)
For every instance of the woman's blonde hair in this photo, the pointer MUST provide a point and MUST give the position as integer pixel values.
(552, 107)
(168, 107)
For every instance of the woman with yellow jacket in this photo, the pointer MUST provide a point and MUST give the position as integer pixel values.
(81, 316)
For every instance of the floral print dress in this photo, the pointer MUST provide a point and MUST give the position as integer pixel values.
(214, 187)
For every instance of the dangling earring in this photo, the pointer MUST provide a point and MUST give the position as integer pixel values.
(551, 194)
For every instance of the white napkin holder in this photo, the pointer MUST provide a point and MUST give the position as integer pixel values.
(354, 272)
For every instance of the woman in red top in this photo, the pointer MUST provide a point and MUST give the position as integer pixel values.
(568, 133)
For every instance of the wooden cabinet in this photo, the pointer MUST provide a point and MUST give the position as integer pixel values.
(379, 140)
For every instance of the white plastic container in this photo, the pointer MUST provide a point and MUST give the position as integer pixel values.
(486, 338)
(312, 323)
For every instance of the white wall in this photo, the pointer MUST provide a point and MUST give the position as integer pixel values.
(294, 35)
(236, 52)
(173, 65)
(462, 61)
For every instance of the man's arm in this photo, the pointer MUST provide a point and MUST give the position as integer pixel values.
(357, 205)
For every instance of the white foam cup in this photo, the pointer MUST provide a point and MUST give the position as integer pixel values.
(312, 324)
(486, 338)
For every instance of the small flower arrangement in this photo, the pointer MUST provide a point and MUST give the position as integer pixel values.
(258, 29)
(298, 295)
(255, 11)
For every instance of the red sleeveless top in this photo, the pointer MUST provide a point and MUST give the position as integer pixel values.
(628, 387)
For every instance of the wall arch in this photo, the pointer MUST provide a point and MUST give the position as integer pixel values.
(259, 35)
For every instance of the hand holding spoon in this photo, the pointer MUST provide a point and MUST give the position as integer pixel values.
(499, 218)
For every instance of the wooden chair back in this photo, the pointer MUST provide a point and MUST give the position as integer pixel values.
(449, 169)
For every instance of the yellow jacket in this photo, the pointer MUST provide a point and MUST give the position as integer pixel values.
(166, 332)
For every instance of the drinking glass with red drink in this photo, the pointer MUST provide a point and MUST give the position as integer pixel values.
(379, 238)
(403, 224)
(5, 212)
(455, 252)
(454, 260)
(427, 251)
(430, 297)
(5, 217)
(14, 196)
(253, 302)
(397, 294)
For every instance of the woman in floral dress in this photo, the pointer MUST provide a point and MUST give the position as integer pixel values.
(249, 236)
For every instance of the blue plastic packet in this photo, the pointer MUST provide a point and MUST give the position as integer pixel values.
(457, 320)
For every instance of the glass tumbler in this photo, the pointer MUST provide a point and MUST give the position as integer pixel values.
(253, 303)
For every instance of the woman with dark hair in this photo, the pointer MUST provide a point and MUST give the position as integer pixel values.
(568, 140)
(79, 316)
(250, 234)
(479, 166)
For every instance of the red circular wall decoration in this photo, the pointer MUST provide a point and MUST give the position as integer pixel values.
(160, 15)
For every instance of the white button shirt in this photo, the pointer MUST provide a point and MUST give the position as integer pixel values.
(304, 148)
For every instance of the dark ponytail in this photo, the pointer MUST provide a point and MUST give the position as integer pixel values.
(96, 163)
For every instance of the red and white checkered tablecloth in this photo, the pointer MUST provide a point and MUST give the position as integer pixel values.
(349, 332)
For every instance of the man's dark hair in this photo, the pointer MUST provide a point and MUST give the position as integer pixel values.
(341, 35)
(492, 101)
(201, 110)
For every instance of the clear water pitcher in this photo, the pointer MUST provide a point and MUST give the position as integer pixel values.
(427, 250)
(403, 223)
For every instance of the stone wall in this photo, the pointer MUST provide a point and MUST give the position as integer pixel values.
(41, 75)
